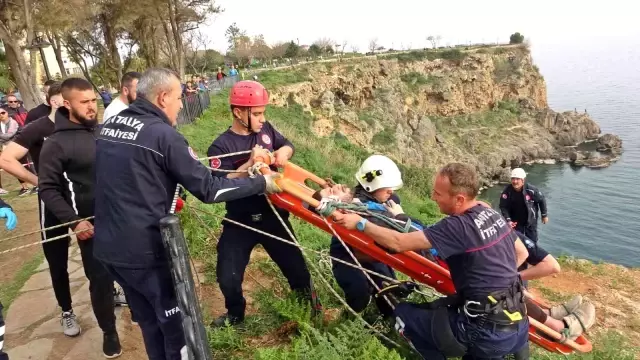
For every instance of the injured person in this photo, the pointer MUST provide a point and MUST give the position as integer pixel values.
(571, 318)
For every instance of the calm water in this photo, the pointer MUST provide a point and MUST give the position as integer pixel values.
(593, 214)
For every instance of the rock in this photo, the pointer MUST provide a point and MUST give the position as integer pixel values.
(608, 142)
(426, 129)
(576, 156)
(384, 70)
(30, 308)
(504, 175)
(439, 139)
(36, 349)
(447, 96)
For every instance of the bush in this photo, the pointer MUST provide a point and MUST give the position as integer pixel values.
(454, 55)
(385, 137)
(516, 38)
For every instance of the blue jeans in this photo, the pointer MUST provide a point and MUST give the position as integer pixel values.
(483, 342)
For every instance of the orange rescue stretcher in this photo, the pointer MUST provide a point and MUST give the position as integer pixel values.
(295, 198)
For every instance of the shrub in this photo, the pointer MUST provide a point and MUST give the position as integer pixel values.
(516, 38)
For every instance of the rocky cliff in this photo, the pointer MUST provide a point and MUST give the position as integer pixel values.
(487, 107)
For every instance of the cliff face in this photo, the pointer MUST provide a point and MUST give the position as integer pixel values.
(487, 107)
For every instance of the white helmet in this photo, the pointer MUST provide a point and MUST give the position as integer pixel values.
(518, 173)
(377, 172)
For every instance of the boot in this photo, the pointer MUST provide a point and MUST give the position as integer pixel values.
(222, 321)
(558, 312)
(580, 321)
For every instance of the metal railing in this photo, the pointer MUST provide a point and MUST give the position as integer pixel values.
(195, 104)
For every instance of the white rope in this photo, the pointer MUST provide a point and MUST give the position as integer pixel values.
(225, 155)
(43, 241)
(326, 283)
(45, 229)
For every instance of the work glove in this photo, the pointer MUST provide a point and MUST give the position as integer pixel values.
(393, 208)
(255, 169)
(12, 219)
(271, 186)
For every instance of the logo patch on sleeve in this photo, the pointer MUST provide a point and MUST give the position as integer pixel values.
(215, 163)
(266, 139)
(193, 153)
(504, 196)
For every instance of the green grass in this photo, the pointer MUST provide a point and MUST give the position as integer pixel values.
(271, 78)
(415, 80)
(8, 292)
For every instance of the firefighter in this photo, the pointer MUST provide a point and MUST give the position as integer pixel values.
(520, 204)
(140, 159)
(487, 316)
(249, 129)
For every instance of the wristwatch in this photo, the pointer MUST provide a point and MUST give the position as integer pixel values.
(360, 225)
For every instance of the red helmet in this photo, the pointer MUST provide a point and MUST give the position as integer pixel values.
(248, 93)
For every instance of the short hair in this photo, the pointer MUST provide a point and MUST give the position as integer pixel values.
(55, 88)
(74, 83)
(463, 179)
(49, 82)
(128, 78)
(154, 80)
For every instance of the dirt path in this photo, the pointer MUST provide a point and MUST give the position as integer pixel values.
(33, 328)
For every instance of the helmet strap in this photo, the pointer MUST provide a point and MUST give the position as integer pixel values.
(248, 123)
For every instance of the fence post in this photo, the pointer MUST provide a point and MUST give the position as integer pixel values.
(176, 248)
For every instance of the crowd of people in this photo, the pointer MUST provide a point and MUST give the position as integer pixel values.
(111, 183)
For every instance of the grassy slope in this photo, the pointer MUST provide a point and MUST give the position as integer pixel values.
(340, 339)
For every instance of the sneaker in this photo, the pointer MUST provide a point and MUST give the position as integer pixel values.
(3, 191)
(70, 325)
(111, 345)
(225, 319)
(34, 190)
(24, 192)
(580, 321)
(118, 297)
(558, 312)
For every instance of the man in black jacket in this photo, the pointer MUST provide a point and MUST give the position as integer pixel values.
(140, 160)
(66, 181)
(520, 203)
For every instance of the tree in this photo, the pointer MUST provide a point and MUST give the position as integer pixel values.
(516, 38)
(315, 50)
(433, 40)
(16, 25)
(260, 49)
(232, 33)
(325, 45)
(293, 50)
(196, 44)
(279, 50)
(373, 45)
(355, 48)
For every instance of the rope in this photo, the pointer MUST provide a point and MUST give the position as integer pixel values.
(326, 283)
(42, 242)
(45, 229)
(323, 255)
(23, 165)
(225, 155)
(326, 208)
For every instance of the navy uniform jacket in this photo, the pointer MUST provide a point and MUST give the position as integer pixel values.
(140, 160)
(533, 198)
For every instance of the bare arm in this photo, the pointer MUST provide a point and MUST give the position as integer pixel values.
(548, 266)
(237, 175)
(521, 252)
(397, 241)
(10, 162)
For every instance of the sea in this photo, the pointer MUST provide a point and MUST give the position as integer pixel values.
(593, 213)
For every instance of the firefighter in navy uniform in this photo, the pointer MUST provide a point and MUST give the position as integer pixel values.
(487, 316)
(520, 204)
(140, 160)
(248, 100)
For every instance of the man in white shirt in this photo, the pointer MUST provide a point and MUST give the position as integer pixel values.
(128, 86)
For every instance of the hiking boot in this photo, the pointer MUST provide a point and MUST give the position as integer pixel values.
(580, 321)
(111, 345)
(34, 190)
(560, 311)
(224, 319)
(118, 297)
(24, 191)
(70, 325)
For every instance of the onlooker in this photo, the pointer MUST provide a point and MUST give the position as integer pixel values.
(106, 97)
(190, 89)
(220, 77)
(16, 110)
(8, 129)
(233, 71)
(128, 86)
(41, 110)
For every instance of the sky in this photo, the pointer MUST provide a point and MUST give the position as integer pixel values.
(404, 23)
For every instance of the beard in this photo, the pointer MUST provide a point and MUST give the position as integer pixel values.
(85, 121)
(130, 98)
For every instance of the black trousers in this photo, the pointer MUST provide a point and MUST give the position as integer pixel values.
(234, 251)
(100, 282)
(3, 355)
(57, 254)
(151, 295)
(530, 231)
